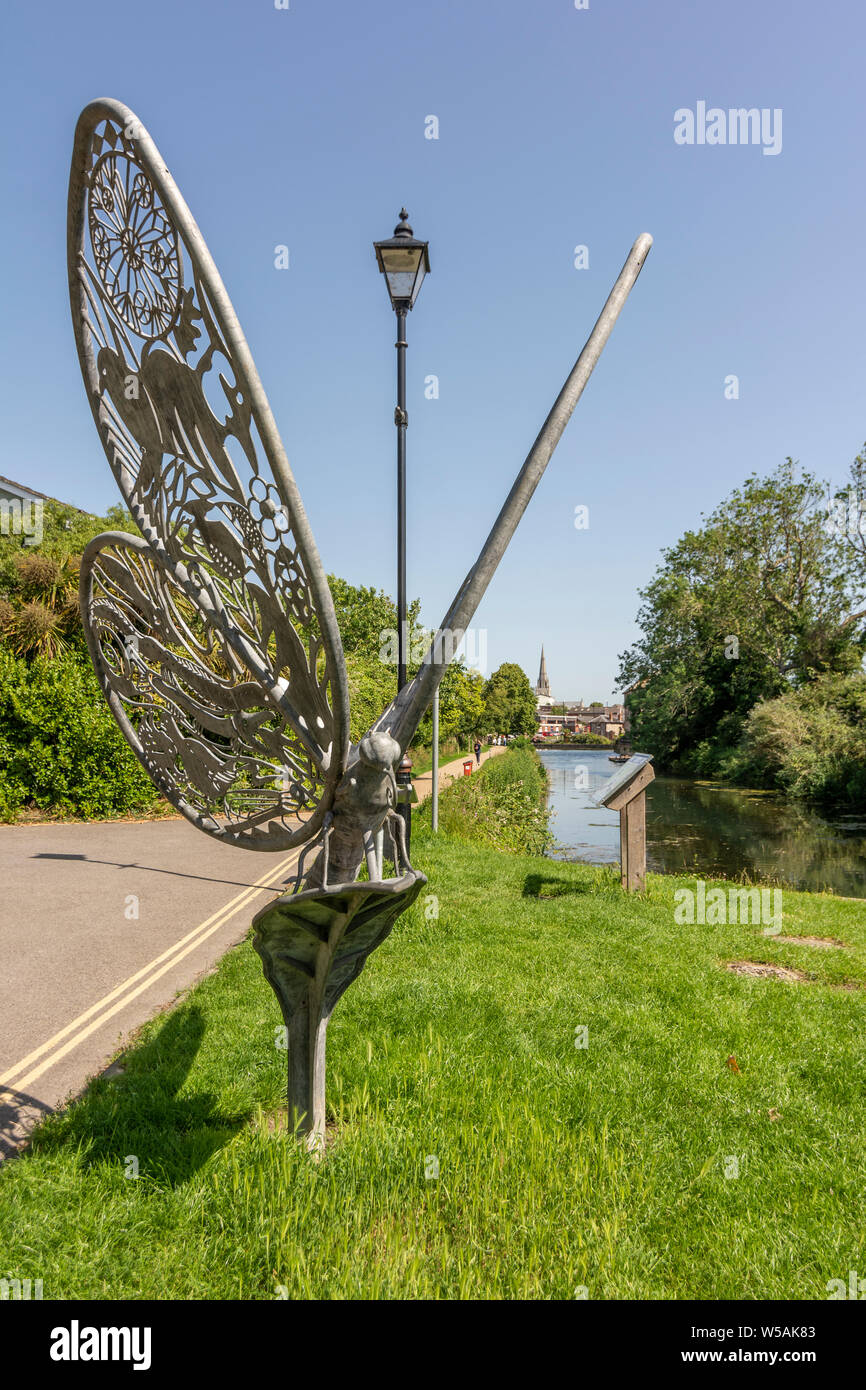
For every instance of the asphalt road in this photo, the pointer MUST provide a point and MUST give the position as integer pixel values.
(101, 926)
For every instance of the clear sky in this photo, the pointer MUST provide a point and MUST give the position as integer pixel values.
(306, 127)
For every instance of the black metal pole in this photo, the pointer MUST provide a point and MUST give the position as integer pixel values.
(401, 421)
(404, 775)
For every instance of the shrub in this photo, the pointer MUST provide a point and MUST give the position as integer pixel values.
(811, 742)
(522, 741)
(60, 748)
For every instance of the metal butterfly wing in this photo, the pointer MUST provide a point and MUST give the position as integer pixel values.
(213, 635)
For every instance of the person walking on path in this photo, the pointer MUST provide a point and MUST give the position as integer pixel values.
(477, 752)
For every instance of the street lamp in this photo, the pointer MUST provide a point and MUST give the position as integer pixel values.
(404, 261)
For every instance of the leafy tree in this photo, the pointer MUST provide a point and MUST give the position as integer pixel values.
(368, 624)
(461, 707)
(366, 616)
(760, 599)
(848, 521)
(509, 703)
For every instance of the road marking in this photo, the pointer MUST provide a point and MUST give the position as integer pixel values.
(190, 942)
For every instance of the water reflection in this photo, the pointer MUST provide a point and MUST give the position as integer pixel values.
(708, 829)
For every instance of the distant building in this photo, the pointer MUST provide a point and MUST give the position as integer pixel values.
(11, 492)
(557, 717)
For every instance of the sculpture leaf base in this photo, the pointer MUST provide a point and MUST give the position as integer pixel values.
(313, 945)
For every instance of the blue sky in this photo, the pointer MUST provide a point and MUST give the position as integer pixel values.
(306, 127)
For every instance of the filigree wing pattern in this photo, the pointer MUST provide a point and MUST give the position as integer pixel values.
(190, 438)
(217, 748)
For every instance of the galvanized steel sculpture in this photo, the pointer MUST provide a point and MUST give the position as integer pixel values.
(213, 632)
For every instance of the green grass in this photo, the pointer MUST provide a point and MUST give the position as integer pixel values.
(559, 1167)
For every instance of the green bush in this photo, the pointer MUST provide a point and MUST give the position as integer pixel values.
(501, 805)
(522, 741)
(810, 742)
(60, 748)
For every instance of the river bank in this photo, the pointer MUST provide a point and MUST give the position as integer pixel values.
(708, 828)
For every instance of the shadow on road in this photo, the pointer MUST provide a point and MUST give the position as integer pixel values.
(18, 1113)
(135, 1112)
(173, 873)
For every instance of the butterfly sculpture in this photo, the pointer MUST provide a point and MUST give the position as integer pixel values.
(212, 632)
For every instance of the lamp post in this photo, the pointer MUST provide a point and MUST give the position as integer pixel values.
(404, 261)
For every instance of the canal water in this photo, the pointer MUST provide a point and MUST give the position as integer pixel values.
(707, 829)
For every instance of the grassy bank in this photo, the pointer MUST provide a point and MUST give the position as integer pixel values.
(502, 805)
(560, 1168)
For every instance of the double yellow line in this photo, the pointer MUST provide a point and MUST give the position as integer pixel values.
(80, 1028)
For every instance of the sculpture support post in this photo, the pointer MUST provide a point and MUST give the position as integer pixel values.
(306, 1035)
(312, 945)
(434, 790)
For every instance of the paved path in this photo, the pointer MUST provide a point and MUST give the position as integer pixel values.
(423, 784)
(101, 925)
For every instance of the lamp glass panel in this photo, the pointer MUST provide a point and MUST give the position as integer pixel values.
(418, 278)
(401, 258)
(400, 283)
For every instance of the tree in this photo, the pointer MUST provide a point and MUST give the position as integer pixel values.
(461, 706)
(759, 600)
(367, 619)
(509, 702)
(848, 521)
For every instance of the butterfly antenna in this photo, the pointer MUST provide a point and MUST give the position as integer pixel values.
(404, 714)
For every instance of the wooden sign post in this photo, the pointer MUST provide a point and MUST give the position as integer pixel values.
(625, 792)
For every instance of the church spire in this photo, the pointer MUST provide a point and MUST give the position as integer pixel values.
(543, 686)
